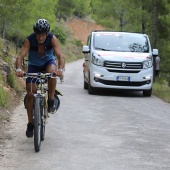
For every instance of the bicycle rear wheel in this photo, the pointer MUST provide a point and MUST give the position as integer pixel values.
(37, 124)
(43, 117)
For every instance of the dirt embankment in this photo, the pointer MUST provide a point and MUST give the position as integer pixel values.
(81, 29)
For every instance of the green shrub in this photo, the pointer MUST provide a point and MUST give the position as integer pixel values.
(1, 79)
(58, 32)
(11, 80)
(4, 97)
(161, 89)
(77, 43)
(8, 60)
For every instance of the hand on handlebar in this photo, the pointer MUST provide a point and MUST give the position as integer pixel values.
(20, 73)
(58, 73)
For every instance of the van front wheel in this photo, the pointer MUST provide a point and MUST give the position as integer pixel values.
(85, 85)
(147, 93)
(91, 89)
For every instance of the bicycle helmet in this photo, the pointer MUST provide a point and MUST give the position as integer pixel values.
(41, 26)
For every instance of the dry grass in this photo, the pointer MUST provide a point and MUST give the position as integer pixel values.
(71, 49)
(161, 89)
(82, 28)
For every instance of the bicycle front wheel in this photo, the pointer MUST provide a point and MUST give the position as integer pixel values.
(37, 124)
(43, 117)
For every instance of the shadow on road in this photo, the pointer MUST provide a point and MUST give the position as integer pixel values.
(118, 93)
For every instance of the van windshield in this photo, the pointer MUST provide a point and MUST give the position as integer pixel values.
(121, 42)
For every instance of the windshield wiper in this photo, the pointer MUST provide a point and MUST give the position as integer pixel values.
(103, 49)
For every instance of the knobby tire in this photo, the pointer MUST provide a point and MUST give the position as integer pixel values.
(37, 124)
(43, 116)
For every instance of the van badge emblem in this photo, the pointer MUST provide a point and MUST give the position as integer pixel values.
(123, 65)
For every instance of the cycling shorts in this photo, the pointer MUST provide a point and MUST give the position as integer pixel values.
(36, 69)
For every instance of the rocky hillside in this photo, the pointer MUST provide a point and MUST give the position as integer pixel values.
(7, 66)
(5, 56)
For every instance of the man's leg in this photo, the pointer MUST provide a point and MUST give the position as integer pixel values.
(29, 106)
(51, 88)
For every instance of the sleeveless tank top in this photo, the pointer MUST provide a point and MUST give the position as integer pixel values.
(34, 57)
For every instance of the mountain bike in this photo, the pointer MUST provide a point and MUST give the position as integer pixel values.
(40, 114)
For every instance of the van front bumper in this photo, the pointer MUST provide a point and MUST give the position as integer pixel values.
(101, 78)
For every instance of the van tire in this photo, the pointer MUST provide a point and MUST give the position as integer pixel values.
(147, 93)
(91, 89)
(85, 85)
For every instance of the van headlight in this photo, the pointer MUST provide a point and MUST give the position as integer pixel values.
(97, 61)
(147, 64)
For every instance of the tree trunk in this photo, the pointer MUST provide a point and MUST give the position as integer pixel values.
(154, 32)
(16, 41)
(143, 19)
(3, 29)
(122, 22)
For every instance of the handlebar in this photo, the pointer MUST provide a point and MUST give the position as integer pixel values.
(40, 75)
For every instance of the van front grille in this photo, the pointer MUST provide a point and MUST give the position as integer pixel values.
(123, 71)
(123, 65)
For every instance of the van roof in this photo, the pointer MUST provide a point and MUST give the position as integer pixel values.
(119, 32)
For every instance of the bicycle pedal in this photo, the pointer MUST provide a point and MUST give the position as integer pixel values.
(46, 118)
(52, 112)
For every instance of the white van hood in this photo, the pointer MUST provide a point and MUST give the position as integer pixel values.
(122, 56)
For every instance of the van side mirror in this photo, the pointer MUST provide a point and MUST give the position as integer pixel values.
(155, 52)
(85, 49)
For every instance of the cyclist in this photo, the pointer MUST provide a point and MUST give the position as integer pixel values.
(41, 46)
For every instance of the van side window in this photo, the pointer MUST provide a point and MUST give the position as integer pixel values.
(89, 41)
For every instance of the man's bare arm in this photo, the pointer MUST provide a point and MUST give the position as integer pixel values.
(58, 53)
(24, 50)
(22, 53)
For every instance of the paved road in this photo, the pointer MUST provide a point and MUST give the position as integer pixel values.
(107, 131)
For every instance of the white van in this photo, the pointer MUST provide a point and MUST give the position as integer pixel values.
(118, 60)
